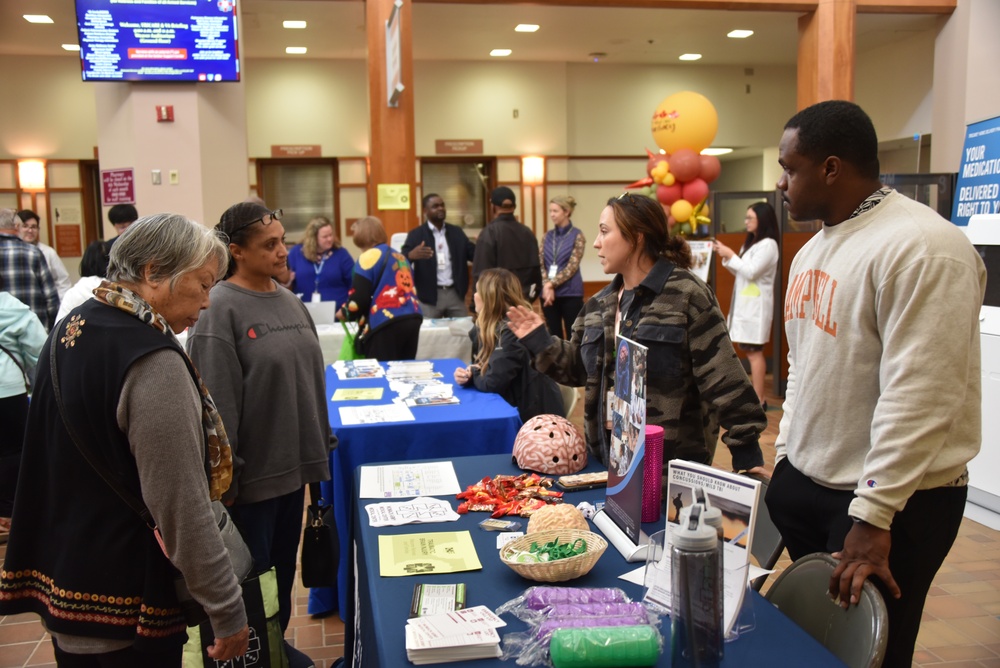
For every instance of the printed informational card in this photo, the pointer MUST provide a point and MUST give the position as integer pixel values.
(377, 414)
(421, 510)
(737, 497)
(422, 553)
(358, 394)
(403, 480)
(628, 438)
(358, 369)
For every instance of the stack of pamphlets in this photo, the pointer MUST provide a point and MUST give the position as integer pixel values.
(357, 369)
(412, 370)
(418, 384)
(454, 636)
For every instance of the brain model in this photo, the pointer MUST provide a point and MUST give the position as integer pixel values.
(562, 516)
(550, 444)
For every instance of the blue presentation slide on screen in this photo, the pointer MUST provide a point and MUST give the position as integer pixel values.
(158, 40)
(978, 187)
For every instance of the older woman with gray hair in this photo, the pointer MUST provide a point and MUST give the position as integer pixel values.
(115, 391)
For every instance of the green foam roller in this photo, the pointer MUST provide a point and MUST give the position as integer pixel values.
(605, 647)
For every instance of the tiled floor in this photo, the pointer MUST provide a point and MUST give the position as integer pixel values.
(961, 625)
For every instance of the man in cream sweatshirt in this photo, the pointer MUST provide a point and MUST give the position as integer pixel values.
(883, 408)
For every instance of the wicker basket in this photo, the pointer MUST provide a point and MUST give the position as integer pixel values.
(559, 570)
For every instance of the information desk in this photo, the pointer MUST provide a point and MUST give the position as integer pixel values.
(383, 603)
(481, 424)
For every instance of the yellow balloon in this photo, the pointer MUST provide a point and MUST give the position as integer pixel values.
(669, 179)
(681, 210)
(684, 120)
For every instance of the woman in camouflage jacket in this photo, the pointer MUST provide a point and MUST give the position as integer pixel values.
(695, 382)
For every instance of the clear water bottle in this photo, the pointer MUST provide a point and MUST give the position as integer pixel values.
(696, 592)
(713, 517)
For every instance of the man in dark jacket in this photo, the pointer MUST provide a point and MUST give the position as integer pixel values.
(508, 244)
(439, 255)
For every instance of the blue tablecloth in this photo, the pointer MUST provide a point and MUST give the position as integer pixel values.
(482, 424)
(375, 630)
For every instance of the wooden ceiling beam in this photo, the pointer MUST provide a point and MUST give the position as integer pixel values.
(864, 6)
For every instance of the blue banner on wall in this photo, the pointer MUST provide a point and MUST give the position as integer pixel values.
(978, 188)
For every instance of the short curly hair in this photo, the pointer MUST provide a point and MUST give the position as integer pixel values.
(837, 128)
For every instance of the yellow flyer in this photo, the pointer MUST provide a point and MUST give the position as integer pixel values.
(358, 394)
(421, 553)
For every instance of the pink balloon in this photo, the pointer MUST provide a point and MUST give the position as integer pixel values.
(710, 167)
(695, 191)
(684, 164)
(667, 195)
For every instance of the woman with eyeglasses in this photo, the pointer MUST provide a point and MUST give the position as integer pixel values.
(694, 381)
(259, 355)
(320, 264)
(754, 267)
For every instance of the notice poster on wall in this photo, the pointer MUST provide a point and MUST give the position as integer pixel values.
(978, 187)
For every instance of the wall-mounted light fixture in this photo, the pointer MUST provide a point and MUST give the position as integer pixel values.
(31, 174)
(533, 170)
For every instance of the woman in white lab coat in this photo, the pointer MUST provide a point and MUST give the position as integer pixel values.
(753, 294)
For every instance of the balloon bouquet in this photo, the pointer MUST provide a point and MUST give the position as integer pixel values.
(683, 125)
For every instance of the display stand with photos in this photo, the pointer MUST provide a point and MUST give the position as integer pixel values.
(621, 519)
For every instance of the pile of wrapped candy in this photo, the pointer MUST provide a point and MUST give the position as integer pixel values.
(509, 495)
(568, 626)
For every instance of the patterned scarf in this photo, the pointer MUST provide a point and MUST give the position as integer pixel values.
(220, 455)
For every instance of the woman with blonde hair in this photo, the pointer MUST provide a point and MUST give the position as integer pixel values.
(320, 264)
(382, 297)
(561, 251)
(501, 363)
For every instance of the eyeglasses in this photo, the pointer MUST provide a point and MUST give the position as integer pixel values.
(265, 220)
(29, 227)
(626, 197)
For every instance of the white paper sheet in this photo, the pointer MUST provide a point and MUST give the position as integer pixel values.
(350, 415)
(395, 481)
(421, 510)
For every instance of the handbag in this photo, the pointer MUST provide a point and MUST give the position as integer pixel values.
(348, 349)
(239, 554)
(320, 547)
(267, 647)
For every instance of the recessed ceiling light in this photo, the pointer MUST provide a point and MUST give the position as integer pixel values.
(716, 151)
(739, 34)
(37, 18)
(690, 56)
(293, 25)
(295, 50)
(71, 47)
(526, 27)
(500, 53)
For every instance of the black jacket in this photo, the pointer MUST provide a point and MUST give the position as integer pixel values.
(511, 375)
(425, 271)
(508, 244)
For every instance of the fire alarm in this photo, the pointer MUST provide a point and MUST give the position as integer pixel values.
(165, 113)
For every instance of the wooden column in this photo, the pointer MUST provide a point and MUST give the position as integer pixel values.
(826, 53)
(392, 135)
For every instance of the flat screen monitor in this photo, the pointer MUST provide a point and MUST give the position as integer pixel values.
(158, 40)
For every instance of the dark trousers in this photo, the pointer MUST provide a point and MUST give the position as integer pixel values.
(394, 341)
(123, 658)
(559, 317)
(272, 529)
(813, 518)
(13, 417)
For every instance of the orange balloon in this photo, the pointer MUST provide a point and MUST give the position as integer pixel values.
(681, 210)
(684, 120)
